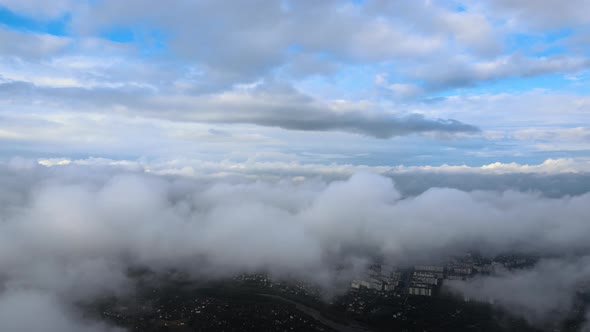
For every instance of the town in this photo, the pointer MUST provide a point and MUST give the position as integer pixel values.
(427, 280)
(410, 298)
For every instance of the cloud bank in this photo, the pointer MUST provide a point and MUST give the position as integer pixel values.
(68, 233)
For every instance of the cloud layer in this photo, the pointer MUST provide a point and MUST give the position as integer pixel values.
(68, 233)
(264, 106)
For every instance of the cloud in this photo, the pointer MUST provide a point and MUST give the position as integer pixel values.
(291, 110)
(253, 41)
(552, 178)
(578, 166)
(377, 32)
(544, 294)
(91, 212)
(268, 105)
(461, 71)
(557, 139)
(304, 38)
(507, 112)
(16, 308)
(131, 123)
(30, 45)
(119, 216)
(550, 14)
(38, 9)
(470, 30)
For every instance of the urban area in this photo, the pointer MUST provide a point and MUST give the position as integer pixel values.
(385, 298)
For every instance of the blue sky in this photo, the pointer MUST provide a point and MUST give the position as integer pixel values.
(370, 82)
(22, 22)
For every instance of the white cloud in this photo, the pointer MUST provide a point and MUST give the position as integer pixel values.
(542, 14)
(544, 294)
(30, 45)
(254, 168)
(50, 315)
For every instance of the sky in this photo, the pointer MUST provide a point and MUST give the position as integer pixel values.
(378, 83)
(289, 137)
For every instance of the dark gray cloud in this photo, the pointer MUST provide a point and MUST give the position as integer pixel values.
(358, 122)
(268, 105)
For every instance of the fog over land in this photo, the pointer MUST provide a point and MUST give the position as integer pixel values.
(69, 233)
(543, 294)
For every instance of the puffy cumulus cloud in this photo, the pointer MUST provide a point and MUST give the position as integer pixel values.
(468, 29)
(543, 294)
(249, 40)
(257, 38)
(69, 232)
(255, 52)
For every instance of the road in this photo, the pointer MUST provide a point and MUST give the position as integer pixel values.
(315, 314)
